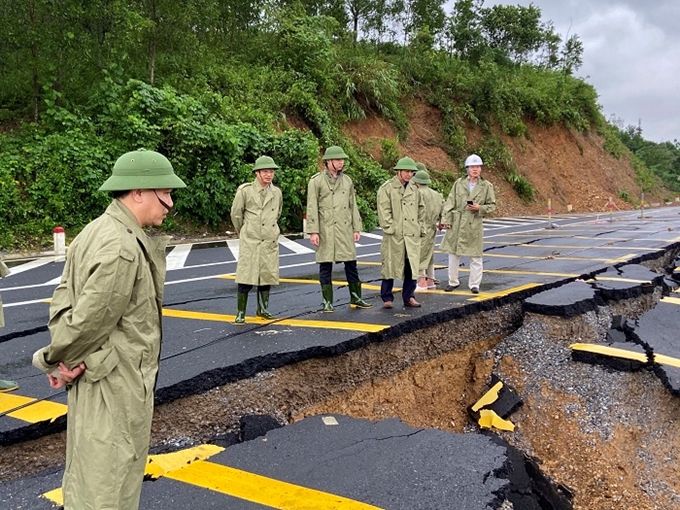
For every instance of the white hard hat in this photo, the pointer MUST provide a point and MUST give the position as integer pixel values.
(473, 160)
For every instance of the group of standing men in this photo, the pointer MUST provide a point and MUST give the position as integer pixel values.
(105, 315)
(409, 212)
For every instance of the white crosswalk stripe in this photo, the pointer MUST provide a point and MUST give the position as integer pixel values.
(27, 266)
(178, 256)
(372, 236)
(233, 244)
(293, 246)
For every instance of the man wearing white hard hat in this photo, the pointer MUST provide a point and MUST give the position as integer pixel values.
(471, 199)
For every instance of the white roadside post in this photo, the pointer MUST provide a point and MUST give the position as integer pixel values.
(59, 238)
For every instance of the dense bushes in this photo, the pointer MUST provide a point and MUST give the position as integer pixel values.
(213, 101)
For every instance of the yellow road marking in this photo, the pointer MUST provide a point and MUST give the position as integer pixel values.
(640, 248)
(261, 489)
(36, 412)
(488, 419)
(517, 271)
(662, 359)
(189, 466)
(305, 281)
(161, 465)
(552, 257)
(505, 292)
(300, 323)
(614, 352)
(56, 496)
(158, 465)
(671, 300)
(489, 397)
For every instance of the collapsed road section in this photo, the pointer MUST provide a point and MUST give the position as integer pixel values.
(429, 368)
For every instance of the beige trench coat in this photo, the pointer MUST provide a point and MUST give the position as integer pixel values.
(401, 212)
(466, 235)
(255, 217)
(434, 202)
(332, 213)
(106, 312)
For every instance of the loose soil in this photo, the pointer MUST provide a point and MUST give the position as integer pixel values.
(614, 444)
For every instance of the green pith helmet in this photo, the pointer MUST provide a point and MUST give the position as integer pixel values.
(421, 166)
(142, 169)
(422, 177)
(334, 152)
(265, 163)
(406, 164)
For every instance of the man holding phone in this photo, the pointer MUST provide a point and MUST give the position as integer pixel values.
(471, 199)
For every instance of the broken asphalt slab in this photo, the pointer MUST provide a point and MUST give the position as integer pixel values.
(657, 331)
(574, 298)
(368, 465)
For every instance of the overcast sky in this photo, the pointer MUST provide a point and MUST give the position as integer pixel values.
(631, 56)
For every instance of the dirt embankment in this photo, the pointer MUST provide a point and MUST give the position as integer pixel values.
(566, 166)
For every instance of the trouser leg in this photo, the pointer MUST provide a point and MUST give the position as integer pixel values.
(351, 271)
(325, 273)
(386, 290)
(409, 282)
(454, 263)
(476, 269)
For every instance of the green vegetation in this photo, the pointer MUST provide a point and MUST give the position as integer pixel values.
(653, 159)
(214, 84)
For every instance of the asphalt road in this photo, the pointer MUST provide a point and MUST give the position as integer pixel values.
(202, 347)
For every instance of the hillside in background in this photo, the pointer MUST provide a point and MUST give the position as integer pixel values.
(569, 167)
(214, 84)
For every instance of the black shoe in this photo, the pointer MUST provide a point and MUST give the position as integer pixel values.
(451, 288)
(474, 290)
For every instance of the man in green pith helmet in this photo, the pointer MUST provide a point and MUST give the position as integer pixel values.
(105, 327)
(255, 215)
(4, 384)
(334, 225)
(401, 212)
(433, 212)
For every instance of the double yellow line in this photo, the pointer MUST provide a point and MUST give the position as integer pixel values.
(192, 467)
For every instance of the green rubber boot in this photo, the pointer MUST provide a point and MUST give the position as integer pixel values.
(355, 300)
(263, 304)
(241, 304)
(327, 295)
(8, 385)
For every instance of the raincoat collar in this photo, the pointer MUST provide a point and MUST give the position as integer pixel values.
(268, 195)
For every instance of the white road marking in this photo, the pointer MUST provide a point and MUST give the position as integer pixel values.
(178, 256)
(293, 246)
(27, 266)
(233, 245)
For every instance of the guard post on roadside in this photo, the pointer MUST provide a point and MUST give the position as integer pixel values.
(59, 239)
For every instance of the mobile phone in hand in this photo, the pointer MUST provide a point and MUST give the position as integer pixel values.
(469, 202)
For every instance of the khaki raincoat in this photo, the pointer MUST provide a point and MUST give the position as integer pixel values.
(401, 212)
(465, 237)
(106, 312)
(434, 202)
(3, 272)
(332, 213)
(255, 214)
